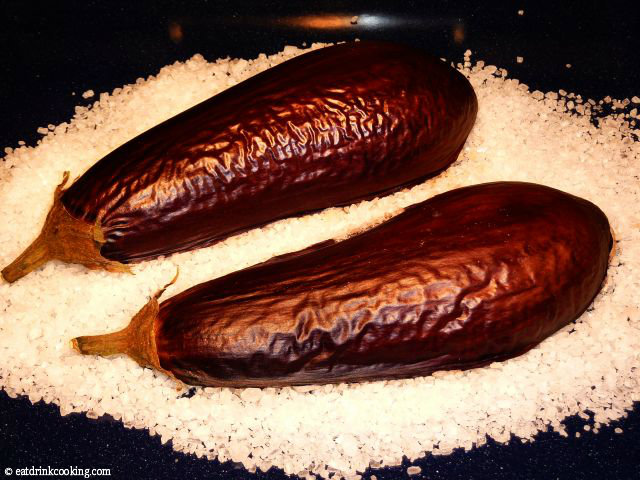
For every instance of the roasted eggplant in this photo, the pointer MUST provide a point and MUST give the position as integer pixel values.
(327, 128)
(472, 276)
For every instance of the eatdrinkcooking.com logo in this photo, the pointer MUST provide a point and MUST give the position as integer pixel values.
(57, 472)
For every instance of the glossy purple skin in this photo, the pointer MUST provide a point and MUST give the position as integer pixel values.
(326, 128)
(472, 276)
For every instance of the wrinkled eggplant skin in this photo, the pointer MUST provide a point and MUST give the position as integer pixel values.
(327, 128)
(475, 275)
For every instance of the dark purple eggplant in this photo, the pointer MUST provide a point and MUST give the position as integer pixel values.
(472, 276)
(327, 128)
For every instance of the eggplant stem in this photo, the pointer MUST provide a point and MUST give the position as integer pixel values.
(66, 238)
(36, 255)
(103, 345)
(137, 340)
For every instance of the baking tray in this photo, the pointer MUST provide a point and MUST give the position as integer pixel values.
(53, 52)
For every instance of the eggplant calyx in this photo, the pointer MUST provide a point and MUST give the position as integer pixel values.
(66, 238)
(137, 340)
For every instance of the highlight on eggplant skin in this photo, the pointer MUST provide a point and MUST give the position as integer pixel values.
(327, 128)
(475, 275)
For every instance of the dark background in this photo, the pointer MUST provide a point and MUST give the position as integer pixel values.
(50, 50)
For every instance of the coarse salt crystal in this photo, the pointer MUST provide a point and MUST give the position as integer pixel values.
(35, 332)
(251, 394)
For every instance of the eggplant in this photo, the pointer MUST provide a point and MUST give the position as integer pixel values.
(475, 275)
(327, 128)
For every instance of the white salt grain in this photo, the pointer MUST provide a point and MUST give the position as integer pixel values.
(520, 12)
(329, 430)
(519, 59)
(251, 394)
(35, 332)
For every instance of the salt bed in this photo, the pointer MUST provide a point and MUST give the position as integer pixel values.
(548, 138)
